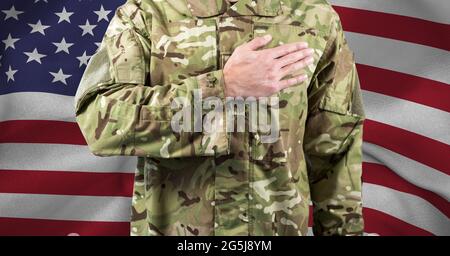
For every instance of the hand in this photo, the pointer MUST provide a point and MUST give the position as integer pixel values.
(259, 73)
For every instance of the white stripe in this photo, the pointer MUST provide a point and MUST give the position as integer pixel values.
(36, 106)
(59, 157)
(433, 10)
(58, 207)
(409, 208)
(400, 56)
(421, 119)
(414, 172)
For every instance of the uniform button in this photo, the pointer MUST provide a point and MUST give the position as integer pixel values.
(211, 81)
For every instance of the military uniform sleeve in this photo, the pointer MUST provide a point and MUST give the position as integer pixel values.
(120, 114)
(333, 140)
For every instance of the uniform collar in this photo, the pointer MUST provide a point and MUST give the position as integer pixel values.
(209, 8)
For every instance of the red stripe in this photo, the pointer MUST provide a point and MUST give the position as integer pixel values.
(66, 183)
(413, 88)
(381, 175)
(375, 222)
(395, 26)
(387, 225)
(35, 227)
(40, 131)
(420, 148)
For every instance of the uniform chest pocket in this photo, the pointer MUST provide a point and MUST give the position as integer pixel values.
(182, 49)
(289, 33)
(293, 100)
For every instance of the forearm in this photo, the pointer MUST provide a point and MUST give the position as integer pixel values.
(335, 160)
(133, 119)
(333, 141)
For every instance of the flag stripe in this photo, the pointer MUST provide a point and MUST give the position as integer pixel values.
(400, 113)
(404, 86)
(386, 225)
(37, 227)
(414, 146)
(406, 207)
(61, 207)
(433, 10)
(41, 131)
(117, 184)
(417, 118)
(116, 209)
(412, 171)
(409, 58)
(57, 157)
(381, 175)
(66, 183)
(376, 222)
(36, 105)
(395, 27)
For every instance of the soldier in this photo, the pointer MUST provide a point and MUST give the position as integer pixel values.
(221, 182)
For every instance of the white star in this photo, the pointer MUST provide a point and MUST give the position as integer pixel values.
(102, 14)
(87, 28)
(39, 1)
(64, 15)
(12, 13)
(10, 74)
(34, 55)
(60, 77)
(84, 59)
(38, 27)
(9, 42)
(63, 46)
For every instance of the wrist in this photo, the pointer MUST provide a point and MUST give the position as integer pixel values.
(227, 88)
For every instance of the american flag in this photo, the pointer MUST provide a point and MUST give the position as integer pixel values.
(50, 184)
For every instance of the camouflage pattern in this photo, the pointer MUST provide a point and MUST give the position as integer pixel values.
(227, 183)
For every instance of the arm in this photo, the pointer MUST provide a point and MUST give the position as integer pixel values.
(333, 140)
(119, 114)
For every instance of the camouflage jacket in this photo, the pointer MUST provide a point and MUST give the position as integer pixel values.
(220, 182)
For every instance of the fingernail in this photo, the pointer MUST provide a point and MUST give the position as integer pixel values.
(309, 60)
(267, 37)
(304, 44)
(310, 51)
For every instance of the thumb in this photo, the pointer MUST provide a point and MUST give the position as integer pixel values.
(259, 42)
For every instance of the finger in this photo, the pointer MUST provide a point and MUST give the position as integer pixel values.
(291, 68)
(294, 57)
(285, 49)
(291, 81)
(258, 42)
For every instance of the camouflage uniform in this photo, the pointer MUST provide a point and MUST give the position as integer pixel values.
(223, 183)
